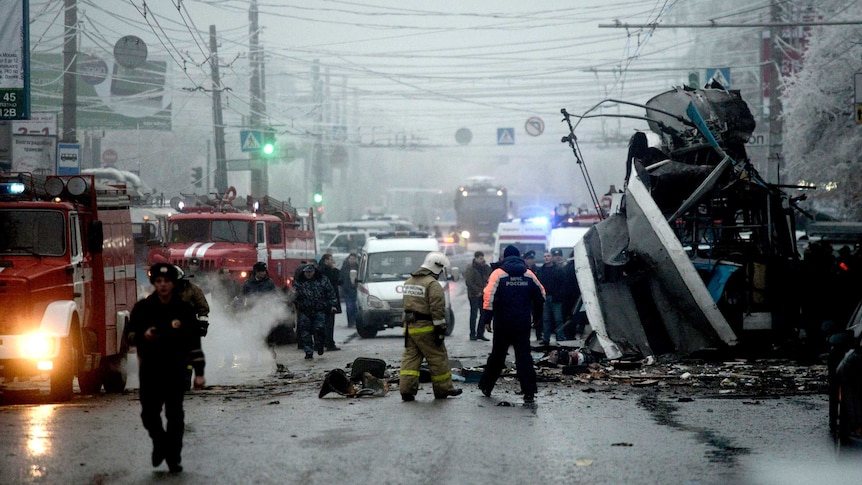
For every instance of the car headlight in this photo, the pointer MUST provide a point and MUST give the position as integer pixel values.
(374, 302)
(38, 345)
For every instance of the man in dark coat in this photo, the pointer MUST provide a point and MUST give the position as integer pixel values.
(163, 328)
(328, 269)
(476, 277)
(313, 298)
(348, 288)
(513, 299)
(551, 275)
(258, 282)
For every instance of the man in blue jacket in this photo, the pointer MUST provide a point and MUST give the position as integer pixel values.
(513, 300)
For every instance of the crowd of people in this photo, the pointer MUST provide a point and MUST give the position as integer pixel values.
(507, 299)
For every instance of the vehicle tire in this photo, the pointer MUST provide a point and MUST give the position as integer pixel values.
(365, 331)
(450, 322)
(114, 373)
(89, 381)
(64, 372)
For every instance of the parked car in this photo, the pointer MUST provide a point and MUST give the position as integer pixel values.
(458, 255)
(844, 365)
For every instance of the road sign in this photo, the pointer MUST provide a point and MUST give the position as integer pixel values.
(505, 136)
(721, 75)
(68, 158)
(463, 136)
(251, 140)
(109, 157)
(534, 126)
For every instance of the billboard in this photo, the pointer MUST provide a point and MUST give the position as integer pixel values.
(14, 47)
(110, 96)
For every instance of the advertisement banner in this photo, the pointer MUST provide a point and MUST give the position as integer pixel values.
(14, 54)
(40, 123)
(36, 154)
(110, 96)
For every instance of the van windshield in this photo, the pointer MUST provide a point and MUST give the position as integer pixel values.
(393, 266)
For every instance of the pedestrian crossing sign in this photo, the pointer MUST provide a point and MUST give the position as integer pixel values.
(505, 136)
(251, 140)
(720, 75)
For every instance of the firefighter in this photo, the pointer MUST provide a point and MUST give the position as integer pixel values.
(162, 328)
(425, 329)
(194, 295)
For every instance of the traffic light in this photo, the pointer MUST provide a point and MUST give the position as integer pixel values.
(268, 148)
(197, 176)
(317, 197)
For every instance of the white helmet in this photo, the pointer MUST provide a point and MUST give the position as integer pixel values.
(435, 262)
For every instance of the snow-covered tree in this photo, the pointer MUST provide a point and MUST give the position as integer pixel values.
(822, 141)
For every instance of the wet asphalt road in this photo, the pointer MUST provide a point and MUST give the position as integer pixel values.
(252, 426)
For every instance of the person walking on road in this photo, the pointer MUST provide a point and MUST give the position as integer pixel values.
(163, 328)
(314, 297)
(513, 299)
(328, 269)
(425, 329)
(348, 288)
(476, 277)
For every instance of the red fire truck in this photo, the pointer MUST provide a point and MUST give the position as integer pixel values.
(225, 232)
(67, 282)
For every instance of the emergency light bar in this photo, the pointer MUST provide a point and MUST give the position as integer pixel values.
(12, 188)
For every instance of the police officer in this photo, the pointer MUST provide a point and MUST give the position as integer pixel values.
(513, 296)
(163, 328)
(424, 330)
(194, 295)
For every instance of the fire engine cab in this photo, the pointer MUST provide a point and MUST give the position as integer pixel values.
(227, 232)
(67, 282)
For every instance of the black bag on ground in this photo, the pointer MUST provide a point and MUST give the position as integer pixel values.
(375, 367)
(281, 334)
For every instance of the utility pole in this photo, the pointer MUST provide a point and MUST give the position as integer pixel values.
(218, 122)
(776, 125)
(259, 175)
(317, 156)
(70, 71)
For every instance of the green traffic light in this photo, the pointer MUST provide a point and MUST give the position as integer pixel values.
(268, 149)
(318, 198)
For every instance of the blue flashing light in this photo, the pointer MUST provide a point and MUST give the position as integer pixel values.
(12, 188)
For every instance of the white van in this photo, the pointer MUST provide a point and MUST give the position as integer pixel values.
(525, 234)
(342, 238)
(564, 239)
(384, 265)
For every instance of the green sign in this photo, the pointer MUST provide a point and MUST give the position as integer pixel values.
(110, 96)
(14, 59)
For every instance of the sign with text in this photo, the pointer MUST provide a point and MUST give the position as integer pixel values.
(14, 60)
(36, 154)
(41, 123)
